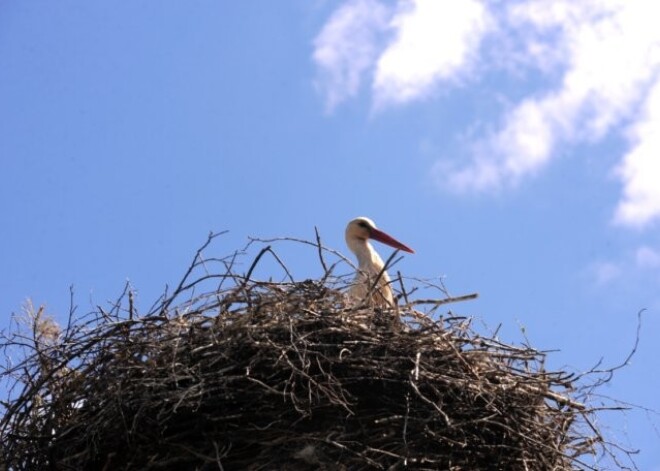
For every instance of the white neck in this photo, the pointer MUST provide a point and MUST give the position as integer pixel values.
(368, 259)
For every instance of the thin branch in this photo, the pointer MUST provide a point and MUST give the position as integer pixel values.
(320, 251)
(439, 302)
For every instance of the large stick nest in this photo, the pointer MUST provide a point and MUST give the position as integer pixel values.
(286, 375)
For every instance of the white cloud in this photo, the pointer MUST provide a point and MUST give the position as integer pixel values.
(640, 170)
(345, 49)
(522, 147)
(609, 63)
(432, 41)
(435, 41)
(601, 59)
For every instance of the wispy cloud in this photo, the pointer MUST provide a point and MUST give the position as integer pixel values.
(640, 170)
(346, 48)
(634, 268)
(603, 273)
(609, 63)
(632, 277)
(520, 148)
(405, 49)
(601, 59)
(647, 257)
(434, 41)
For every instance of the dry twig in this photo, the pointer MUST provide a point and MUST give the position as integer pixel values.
(263, 375)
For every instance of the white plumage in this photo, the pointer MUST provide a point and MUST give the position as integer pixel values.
(370, 265)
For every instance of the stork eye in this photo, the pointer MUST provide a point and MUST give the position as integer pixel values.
(364, 225)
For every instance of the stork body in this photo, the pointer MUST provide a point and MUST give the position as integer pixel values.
(370, 264)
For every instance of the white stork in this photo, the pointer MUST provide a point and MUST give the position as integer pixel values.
(370, 265)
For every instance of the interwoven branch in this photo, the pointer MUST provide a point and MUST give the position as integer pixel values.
(265, 375)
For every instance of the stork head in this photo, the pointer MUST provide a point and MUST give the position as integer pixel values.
(361, 229)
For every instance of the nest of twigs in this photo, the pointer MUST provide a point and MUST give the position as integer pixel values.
(282, 375)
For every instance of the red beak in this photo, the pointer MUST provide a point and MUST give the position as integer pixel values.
(380, 236)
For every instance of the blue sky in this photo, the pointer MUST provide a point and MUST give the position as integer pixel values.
(514, 145)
